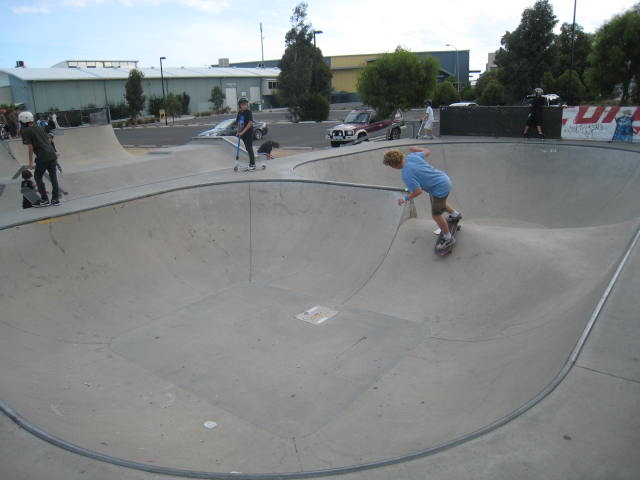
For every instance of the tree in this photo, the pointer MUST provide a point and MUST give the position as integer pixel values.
(446, 93)
(133, 93)
(581, 50)
(615, 59)
(548, 83)
(397, 80)
(217, 98)
(527, 52)
(304, 75)
(468, 94)
(563, 84)
(185, 99)
(173, 105)
(493, 94)
(483, 81)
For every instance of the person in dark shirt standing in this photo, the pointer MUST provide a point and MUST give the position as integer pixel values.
(535, 113)
(36, 139)
(244, 125)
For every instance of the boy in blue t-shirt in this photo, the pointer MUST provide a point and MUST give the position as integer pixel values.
(419, 176)
(244, 121)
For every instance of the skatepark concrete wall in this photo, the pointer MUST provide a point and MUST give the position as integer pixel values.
(530, 183)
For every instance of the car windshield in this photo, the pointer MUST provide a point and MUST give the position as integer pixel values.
(225, 124)
(357, 117)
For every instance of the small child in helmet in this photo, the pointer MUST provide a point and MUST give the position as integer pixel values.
(535, 113)
(36, 139)
(244, 125)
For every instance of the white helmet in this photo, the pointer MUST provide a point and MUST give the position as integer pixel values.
(538, 90)
(25, 117)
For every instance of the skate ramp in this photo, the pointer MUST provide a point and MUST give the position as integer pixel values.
(79, 147)
(125, 328)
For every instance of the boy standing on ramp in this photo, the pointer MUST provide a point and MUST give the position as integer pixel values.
(419, 176)
(244, 121)
(36, 139)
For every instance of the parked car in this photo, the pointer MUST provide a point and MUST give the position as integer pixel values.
(464, 104)
(550, 100)
(227, 127)
(360, 124)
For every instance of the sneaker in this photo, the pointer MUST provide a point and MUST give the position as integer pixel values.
(252, 167)
(55, 203)
(42, 203)
(541, 135)
(453, 218)
(445, 244)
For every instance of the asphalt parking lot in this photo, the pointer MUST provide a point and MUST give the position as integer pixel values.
(289, 135)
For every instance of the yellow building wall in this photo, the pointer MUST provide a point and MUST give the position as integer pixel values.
(344, 80)
(345, 70)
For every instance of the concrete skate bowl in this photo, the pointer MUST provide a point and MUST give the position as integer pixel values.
(126, 328)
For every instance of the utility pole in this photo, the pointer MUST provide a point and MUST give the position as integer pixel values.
(261, 45)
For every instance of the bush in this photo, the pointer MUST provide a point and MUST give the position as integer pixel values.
(155, 104)
(119, 110)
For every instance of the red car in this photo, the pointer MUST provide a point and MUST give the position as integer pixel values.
(362, 124)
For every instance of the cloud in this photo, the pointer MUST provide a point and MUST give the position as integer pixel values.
(26, 10)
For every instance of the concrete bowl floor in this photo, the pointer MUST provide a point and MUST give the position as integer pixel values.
(125, 328)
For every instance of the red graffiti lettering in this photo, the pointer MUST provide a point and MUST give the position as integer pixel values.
(611, 116)
(581, 117)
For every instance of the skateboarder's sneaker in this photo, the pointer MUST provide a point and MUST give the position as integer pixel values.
(251, 167)
(454, 218)
(446, 244)
(42, 203)
(55, 203)
(541, 135)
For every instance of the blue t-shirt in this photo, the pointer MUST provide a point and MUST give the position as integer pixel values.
(417, 172)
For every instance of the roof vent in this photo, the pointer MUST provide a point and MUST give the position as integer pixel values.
(223, 62)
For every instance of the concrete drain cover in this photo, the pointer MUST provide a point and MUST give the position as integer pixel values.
(316, 315)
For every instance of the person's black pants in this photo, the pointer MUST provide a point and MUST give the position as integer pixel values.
(50, 167)
(247, 139)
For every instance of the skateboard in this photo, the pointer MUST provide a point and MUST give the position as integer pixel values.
(258, 167)
(454, 226)
(31, 195)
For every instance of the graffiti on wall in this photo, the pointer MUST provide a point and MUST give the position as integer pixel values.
(618, 124)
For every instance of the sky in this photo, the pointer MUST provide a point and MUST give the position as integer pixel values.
(196, 33)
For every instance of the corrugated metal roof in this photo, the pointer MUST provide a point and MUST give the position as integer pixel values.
(51, 74)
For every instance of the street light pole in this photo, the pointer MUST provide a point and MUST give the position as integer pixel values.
(318, 32)
(457, 69)
(162, 81)
(573, 41)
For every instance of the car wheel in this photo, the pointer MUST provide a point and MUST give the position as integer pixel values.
(362, 138)
(395, 134)
(257, 134)
(335, 144)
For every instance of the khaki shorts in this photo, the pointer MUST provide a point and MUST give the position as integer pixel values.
(438, 205)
